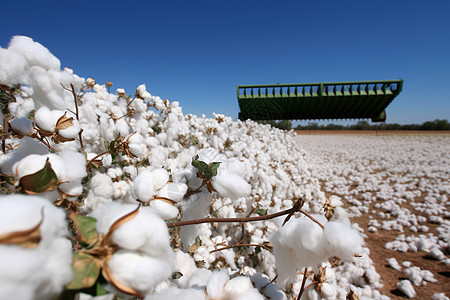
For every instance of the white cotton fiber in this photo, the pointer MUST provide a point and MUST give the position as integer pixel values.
(231, 186)
(178, 294)
(139, 271)
(13, 67)
(137, 146)
(26, 147)
(29, 165)
(72, 131)
(146, 232)
(23, 126)
(45, 119)
(143, 185)
(216, 283)
(34, 53)
(163, 209)
(406, 288)
(393, 263)
(343, 241)
(38, 273)
(240, 288)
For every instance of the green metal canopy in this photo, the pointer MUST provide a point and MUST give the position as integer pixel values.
(315, 101)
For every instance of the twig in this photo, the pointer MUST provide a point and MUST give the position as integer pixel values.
(97, 156)
(75, 97)
(302, 289)
(244, 219)
(239, 245)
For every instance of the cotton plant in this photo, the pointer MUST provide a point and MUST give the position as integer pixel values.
(35, 254)
(153, 188)
(127, 168)
(128, 244)
(302, 243)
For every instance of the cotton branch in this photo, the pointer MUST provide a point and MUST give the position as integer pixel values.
(265, 245)
(296, 208)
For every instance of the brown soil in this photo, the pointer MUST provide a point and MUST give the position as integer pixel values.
(390, 277)
(371, 132)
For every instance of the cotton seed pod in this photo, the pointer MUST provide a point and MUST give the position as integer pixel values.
(90, 82)
(121, 92)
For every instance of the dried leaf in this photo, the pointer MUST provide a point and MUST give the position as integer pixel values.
(192, 248)
(120, 222)
(44, 180)
(86, 227)
(60, 139)
(167, 200)
(29, 238)
(352, 296)
(86, 271)
(64, 122)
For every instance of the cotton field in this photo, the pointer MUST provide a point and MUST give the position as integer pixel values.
(396, 187)
(110, 193)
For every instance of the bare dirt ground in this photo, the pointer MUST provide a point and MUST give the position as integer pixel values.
(376, 241)
(370, 132)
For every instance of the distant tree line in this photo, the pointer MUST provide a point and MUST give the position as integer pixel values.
(363, 125)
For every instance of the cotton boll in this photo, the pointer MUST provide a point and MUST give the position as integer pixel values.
(184, 264)
(100, 193)
(13, 67)
(138, 271)
(75, 164)
(216, 283)
(23, 126)
(231, 186)
(137, 146)
(311, 294)
(44, 119)
(240, 288)
(173, 191)
(165, 210)
(26, 147)
(406, 288)
(146, 232)
(177, 294)
(143, 185)
(29, 165)
(344, 241)
(42, 271)
(34, 53)
(72, 131)
(392, 262)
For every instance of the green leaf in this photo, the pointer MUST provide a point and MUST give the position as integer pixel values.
(260, 211)
(213, 167)
(207, 171)
(86, 270)
(156, 129)
(100, 289)
(42, 181)
(200, 165)
(86, 227)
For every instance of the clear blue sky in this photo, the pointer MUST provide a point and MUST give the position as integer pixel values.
(196, 52)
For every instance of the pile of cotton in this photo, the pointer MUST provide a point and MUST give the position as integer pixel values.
(101, 155)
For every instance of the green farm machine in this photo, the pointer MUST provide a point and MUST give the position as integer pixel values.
(316, 101)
